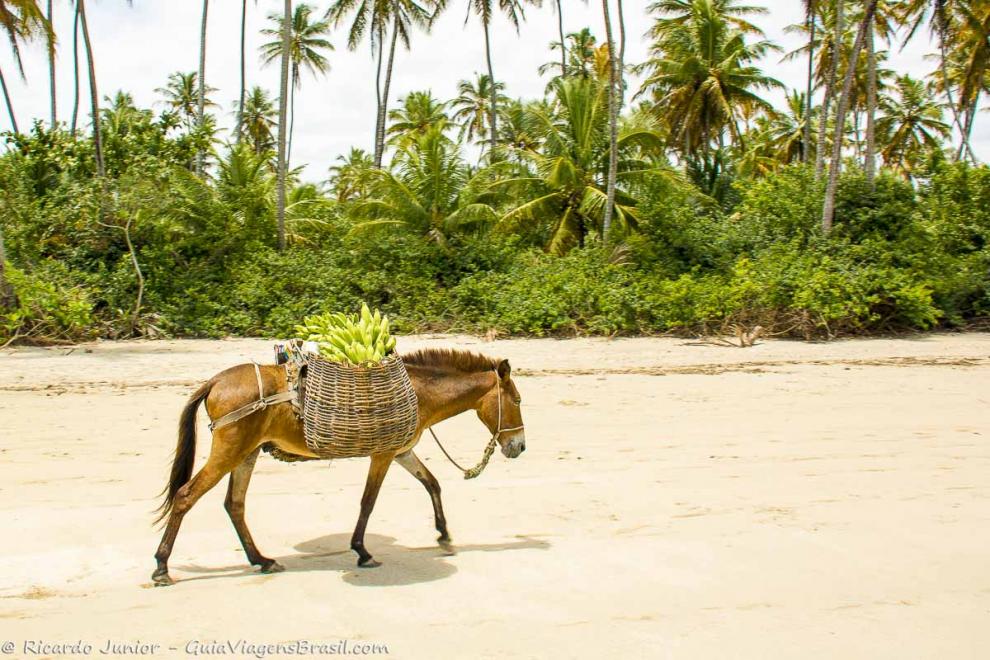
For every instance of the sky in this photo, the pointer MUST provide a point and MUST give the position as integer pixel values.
(137, 47)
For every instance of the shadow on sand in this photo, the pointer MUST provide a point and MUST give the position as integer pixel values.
(401, 565)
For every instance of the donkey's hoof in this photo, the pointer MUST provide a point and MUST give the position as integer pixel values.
(370, 562)
(272, 566)
(447, 546)
(162, 579)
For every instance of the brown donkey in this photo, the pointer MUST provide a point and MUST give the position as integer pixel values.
(447, 383)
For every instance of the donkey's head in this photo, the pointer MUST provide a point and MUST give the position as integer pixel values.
(500, 410)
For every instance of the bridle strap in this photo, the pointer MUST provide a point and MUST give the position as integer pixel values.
(490, 448)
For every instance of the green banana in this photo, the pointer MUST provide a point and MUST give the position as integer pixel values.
(360, 339)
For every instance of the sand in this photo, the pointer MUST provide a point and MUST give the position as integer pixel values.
(795, 500)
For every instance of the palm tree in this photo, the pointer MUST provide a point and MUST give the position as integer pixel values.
(240, 104)
(517, 132)
(10, 104)
(350, 179)
(471, 108)
(579, 51)
(201, 95)
(882, 26)
(582, 53)
(811, 23)
(701, 76)
(51, 72)
(679, 13)
(870, 160)
(971, 49)
(558, 5)
(911, 125)
(377, 17)
(181, 94)
(244, 180)
(833, 75)
(258, 120)
(283, 98)
(305, 46)
(22, 20)
(613, 119)
(428, 194)
(828, 210)
(374, 18)
(563, 186)
(778, 139)
(484, 9)
(94, 95)
(75, 70)
(418, 113)
(938, 14)
(824, 49)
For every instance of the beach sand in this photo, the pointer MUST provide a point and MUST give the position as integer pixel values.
(790, 500)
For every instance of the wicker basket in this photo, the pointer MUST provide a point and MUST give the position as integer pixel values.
(351, 411)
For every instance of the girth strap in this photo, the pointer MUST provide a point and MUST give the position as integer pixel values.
(262, 403)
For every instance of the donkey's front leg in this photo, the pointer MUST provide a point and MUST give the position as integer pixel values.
(410, 461)
(376, 475)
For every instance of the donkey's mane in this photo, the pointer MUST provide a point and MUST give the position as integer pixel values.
(446, 358)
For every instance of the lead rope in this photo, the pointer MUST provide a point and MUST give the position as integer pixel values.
(477, 469)
(490, 449)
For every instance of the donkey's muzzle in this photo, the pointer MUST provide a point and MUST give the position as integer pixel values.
(515, 446)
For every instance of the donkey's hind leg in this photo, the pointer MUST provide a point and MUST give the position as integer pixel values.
(218, 464)
(410, 461)
(240, 479)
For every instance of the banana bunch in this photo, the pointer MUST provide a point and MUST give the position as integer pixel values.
(359, 339)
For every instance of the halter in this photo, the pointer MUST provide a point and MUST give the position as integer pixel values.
(490, 449)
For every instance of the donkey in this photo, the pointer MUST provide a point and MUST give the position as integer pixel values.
(447, 383)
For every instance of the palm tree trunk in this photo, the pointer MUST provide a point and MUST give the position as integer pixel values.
(240, 103)
(857, 134)
(829, 88)
(967, 134)
(942, 27)
(292, 116)
(563, 45)
(493, 102)
(622, 56)
(51, 71)
(383, 106)
(75, 70)
(94, 94)
(283, 102)
(870, 165)
(201, 100)
(10, 105)
(828, 212)
(378, 88)
(806, 136)
(613, 115)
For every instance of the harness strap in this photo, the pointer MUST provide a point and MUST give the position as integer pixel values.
(490, 448)
(262, 403)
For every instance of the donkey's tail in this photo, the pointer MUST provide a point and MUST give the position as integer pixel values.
(185, 451)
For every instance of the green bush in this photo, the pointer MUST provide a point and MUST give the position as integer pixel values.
(898, 258)
(52, 305)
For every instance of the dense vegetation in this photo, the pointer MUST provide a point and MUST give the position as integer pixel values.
(152, 226)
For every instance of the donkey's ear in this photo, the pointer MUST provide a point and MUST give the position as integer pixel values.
(503, 369)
